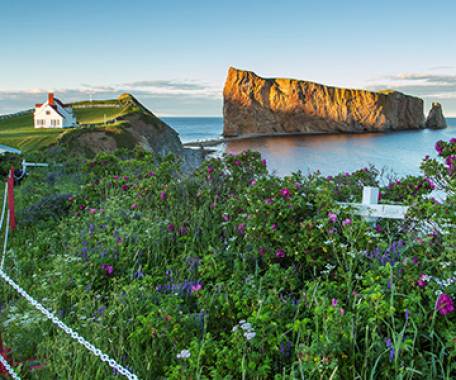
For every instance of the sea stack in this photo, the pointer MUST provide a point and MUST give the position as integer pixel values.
(435, 119)
(255, 106)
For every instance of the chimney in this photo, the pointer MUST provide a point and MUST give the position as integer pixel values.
(51, 98)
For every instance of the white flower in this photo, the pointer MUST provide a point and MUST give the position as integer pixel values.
(246, 326)
(250, 335)
(242, 321)
(184, 354)
(235, 328)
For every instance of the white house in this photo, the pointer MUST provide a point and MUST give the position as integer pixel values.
(53, 114)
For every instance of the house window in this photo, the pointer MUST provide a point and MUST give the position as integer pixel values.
(48, 112)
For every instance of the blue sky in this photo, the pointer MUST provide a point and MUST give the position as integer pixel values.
(174, 55)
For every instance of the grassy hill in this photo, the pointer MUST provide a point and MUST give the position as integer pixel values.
(19, 132)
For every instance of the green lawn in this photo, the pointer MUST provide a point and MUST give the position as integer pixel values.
(18, 132)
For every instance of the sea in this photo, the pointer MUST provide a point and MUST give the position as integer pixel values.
(396, 154)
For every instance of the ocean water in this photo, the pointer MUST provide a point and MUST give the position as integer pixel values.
(398, 153)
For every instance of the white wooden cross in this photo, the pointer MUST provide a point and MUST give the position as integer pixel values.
(370, 209)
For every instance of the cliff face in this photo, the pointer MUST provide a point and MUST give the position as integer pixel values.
(435, 119)
(259, 106)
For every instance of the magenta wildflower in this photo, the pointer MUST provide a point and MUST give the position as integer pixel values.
(210, 170)
(261, 251)
(82, 207)
(263, 162)
(109, 269)
(280, 253)
(151, 174)
(347, 222)
(444, 304)
(378, 228)
(430, 183)
(196, 287)
(332, 217)
(125, 178)
(226, 217)
(274, 226)
(116, 177)
(183, 230)
(453, 140)
(241, 229)
(92, 211)
(268, 201)
(439, 147)
(237, 163)
(134, 206)
(125, 187)
(163, 196)
(170, 227)
(285, 193)
(334, 302)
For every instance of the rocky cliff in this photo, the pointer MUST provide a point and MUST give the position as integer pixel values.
(259, 106)
(435, 119)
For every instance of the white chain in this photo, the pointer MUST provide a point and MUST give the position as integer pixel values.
(68, 330)
(8, 368)
(5, 243)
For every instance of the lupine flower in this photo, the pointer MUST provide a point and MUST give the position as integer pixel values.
(241, 229)
(163, 196)
(332, 217)
(184, 354)
(444, 304)
(280, 253)
(389, 344)
(346, 222)
(406, 314)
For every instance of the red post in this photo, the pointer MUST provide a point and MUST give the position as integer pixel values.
(11, 200)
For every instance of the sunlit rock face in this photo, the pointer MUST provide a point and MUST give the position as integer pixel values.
(260, 106)
(435, 119)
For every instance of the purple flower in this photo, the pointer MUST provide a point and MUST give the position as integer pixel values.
(163, 196)
(378, 228)
(261, 251)
(226, 217)
(334, 302)
(210, 170)
(170, 227)
(151, 174)
(422, 281)
(439, 147)
(252, 182)
(389, 344)
(109, 269)
(263, 162)
(125, 187)
(280, 253)
(406, 314)
(274, 226)
(444, 304)
(183, 230)
(138, 275)
(346, 222)
(268, 201)
(430, 183)
(237, 163)
(134, 206)
(453, 140)
(241, 229)
(332, 217)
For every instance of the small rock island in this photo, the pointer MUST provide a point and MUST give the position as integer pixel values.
(256, 106)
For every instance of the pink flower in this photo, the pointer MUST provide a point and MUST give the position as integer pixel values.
(274, 226)
(378, 228)
(253, 182)
(134, 206)
(163, 196)
(444, 304)
(346, 222)
(116, 177)
(263, 162)
(196, 287)
(82, 207)
(438, 147)
(280, 253)
(124, 187)
(92, 211)
(346, 174)
(210, 170)
(422, 282)
(332, 217)
(268, 201)
(237, 163)
(241, 228)
(125, 178)
(334, 302)
(226, 217)
(285, 193)
(342, 311)
(453, 140)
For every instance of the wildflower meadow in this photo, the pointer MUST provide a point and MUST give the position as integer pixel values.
(232, 272)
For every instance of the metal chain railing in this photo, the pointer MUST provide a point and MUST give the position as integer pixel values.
(8, 368)
(68, 330)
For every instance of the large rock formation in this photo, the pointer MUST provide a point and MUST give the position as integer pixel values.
(259, 106)
(435, 119)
